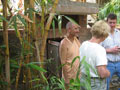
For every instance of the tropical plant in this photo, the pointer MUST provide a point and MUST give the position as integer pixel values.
(111, 7)
(29, 41)
(56, 83)
(33, 71)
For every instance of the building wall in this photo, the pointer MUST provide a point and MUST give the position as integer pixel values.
(91, 1)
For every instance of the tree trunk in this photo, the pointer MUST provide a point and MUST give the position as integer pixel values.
(5, 36)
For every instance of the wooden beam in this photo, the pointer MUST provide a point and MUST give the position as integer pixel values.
(69, 7)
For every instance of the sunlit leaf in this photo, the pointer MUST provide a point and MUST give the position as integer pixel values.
(60, 23)
(70, 19)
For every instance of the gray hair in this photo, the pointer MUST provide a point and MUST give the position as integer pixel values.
(69, 25)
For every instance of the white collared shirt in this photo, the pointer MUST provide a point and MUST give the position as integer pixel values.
(112, 41)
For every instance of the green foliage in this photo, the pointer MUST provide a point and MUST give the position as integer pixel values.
(53, 25)
(111, 7)
(36, 67)
(47, 3)
(58, 18)
(53, 82)
(84, 81)
(60, 23)
(56, 83)
(22, 20)
(3, 83)
(1, 20)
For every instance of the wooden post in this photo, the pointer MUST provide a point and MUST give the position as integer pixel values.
(83, 21)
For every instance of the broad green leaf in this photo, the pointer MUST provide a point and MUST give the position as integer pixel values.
(70, 19)
(60, 24)
(3, 83)
(2, 46)
(15, 24)
(44, 76)
(3, 18)
(14, 65)
(36, 79)
(16, 30)
(53, 25)
(11, 20)
(36, 67)
(77, 57)
(22, 20)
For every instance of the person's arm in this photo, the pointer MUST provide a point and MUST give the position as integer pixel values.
(63, 58)
(101, 63)
(114, 50)
(63, 52)
(103, 72)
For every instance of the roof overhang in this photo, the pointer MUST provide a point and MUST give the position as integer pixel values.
(79, 8)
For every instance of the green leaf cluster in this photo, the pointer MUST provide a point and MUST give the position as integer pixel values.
(111, 7)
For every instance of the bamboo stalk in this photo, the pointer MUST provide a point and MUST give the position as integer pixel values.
(34, 35)
(47, 27)
(21, 60)
(42, 17)
(5, 36)
(18, 73)
(27, 47)
(27, 72)
(26, 5)
(37, 50)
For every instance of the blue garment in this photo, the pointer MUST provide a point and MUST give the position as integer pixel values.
(114, 68)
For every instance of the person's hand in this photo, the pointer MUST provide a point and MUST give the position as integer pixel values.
(115, 49)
